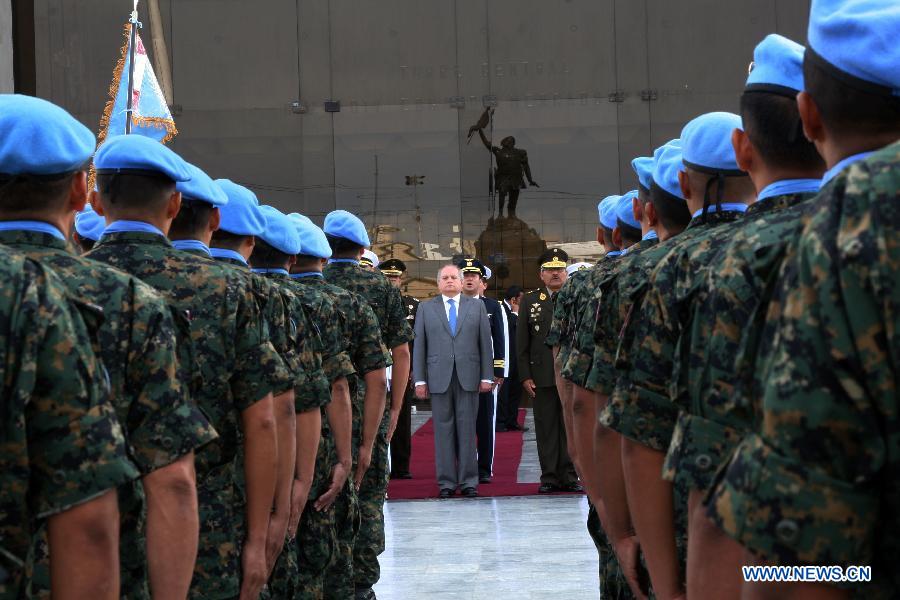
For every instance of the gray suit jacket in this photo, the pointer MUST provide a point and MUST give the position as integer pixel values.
(437, 351)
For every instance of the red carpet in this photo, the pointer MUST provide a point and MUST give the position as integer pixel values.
(507, 455)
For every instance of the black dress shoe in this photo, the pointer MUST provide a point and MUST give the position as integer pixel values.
(572, 487)
(470, 492)
(484, 479)
(502, 429)
(401, 475)
(546, 488)
(445, 494)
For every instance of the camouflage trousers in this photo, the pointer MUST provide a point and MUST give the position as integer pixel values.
(612, 581)
(217, 572)
(338, 579)
(372, 491)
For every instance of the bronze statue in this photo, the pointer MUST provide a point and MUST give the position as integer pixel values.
(512, 162)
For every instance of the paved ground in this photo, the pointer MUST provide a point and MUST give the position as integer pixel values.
(532, 547)
(488, 548)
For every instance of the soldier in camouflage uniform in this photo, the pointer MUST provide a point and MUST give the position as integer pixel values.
(567, 307)
(348, 237)
(325, 393)
(362, 340)
(634, 235)
(710, 420)
(137, 343)
(401, 443)
(233, 360)
(63, 452)
(814, 481)
(648, 417)
(231, 245)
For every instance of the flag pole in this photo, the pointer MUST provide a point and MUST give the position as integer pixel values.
(134, 27)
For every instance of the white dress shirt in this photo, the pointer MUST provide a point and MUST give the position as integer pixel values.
(456, 300)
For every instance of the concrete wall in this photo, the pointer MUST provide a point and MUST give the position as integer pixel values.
(6, 47)
(583, 85)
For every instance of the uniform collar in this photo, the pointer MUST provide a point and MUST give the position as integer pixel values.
(726, 207)
(33, 226)
(307, 275)
(272, 272)
(833, 171)
(789, 186)
(131, 227)
(30, 237)
(650, 235)
(343, 260)
(223, 253)
(191, 245)
(613, 253)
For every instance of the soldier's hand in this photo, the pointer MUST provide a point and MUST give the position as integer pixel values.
(627, 552)
(254, 570)
(339, 477)
(299, 496)
(362, 465)
(534, 184)
(278, 524)
(422, 391)
(392, 424)
(485, 387)
(498, 381)
(529, 387)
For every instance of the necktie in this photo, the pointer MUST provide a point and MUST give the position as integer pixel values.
(452, 317)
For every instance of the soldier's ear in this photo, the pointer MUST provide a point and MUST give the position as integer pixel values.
(78, 193)
(743, 150)
(652, 217)
(813, 128)
(215, 219)
(173, 205)
(684, 182)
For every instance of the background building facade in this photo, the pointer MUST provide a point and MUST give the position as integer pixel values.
(583, 85)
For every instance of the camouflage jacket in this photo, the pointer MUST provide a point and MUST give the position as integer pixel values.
(137, 341)
(711, 420)
(648, 415)
(60, 441)
(324, 344)
(608, 319)
(561, 329)
(384, 299)
(282, 327)
(361, 340)
(235, 363)
(817, 482)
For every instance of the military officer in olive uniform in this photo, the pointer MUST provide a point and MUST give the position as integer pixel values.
(401, 443)
(535, 361)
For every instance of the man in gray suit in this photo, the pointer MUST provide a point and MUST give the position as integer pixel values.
(453, 361)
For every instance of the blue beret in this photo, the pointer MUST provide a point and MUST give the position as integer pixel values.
(706, 143)
(340, 223)
(202, 188)
(40, 138)
(312, 238)
(241, 215)
(89, 224)
(777, 67)
(624, 210)
(643, 168)
(607, 210)
(858, 38)
(139, 154)
(668, 165)
(280, 233)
